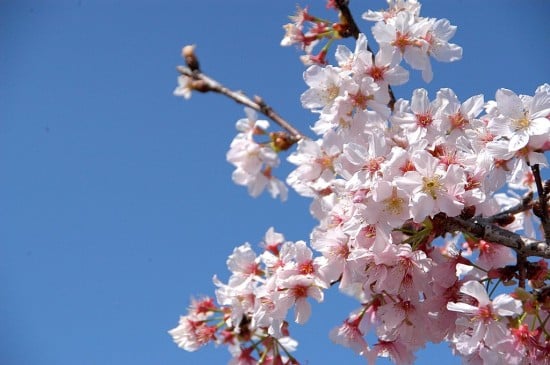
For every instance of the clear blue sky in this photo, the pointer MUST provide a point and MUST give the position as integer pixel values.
(116, 203)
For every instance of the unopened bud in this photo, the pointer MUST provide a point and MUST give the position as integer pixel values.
(505, 220)
(200, 85)
(468, 212)
(342, 29)
(188, 53)
(258, 100)
(281, 141)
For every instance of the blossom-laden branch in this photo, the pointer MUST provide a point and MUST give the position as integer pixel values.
(385, 184)
(192, 78)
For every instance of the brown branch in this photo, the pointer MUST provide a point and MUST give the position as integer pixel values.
(203, 83)
(345, 12)
(522, 269)
(542, 293)
(352, 29)
(269, 112)
(482, 229)
(525, 204)
(543, 202)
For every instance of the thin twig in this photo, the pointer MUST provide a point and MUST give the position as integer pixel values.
(268, 111)
(522, 268)
(208, 84)
(525, 204)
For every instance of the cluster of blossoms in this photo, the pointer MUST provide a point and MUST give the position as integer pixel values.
(400, 32)
(307, 39)
(384, 177)
(255, 161)
(251, 318)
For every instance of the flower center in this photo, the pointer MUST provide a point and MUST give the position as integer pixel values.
(394, 205)
(522, 123)
(373, 164)
(360, 100)
(424, 120)
(401, 41)
(458, 121)
(331, 93)
(306, 268)
(485, 313)
(377, 73)
(325, 161)
(432, 185)
(299, 291)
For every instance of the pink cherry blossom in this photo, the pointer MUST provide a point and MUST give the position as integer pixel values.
(423, 119)
(351, 334)
(254, 162)
(521, 117)
(432, 189)
(294, 291)
(405, 33)
(482, 317)
(191, 334)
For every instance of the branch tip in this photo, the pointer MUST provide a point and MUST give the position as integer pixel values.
(188, 54)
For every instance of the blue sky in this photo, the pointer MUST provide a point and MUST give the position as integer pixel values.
(116, 203)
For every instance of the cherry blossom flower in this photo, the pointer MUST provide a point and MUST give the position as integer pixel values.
(295, 291)
(459, 116)
(432, 189)
(326, 83)
(423, 119)
(396, 350)
(293, 35)
(437, 36)
(394, 7)
(392, 208)
(521, 117)
(405, 34)
(272, 241)
(184, 87)
(351, 333)
(315, 161)
(384, 68)
(493, 256)
(483, 317)
(243, 264)
(254, 162)
(334, 246)
(191, 334)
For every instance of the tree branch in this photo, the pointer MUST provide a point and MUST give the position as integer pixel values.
(543, 202)
(482, 229)
(503, 218)
(347, 17)
(203, 83)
